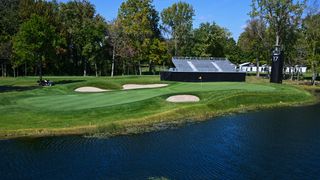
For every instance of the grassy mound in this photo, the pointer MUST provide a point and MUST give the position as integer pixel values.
(59, 110)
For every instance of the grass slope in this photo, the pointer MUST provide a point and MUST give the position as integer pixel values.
(28, 110)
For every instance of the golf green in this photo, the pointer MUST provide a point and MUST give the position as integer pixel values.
(28, 110)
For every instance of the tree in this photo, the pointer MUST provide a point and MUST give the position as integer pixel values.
(95, 40)
(282, 16)
(158, 54)
(311, 29)
(210, 40)
(73, 16)
(254, 41)
(9, 24)
(232, 51)
(35, 41)
(139, 21)
(177, 21)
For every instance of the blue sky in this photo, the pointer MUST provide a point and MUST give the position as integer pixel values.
(231, 14)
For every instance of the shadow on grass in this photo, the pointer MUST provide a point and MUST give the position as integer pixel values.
(310, 78)
(67, 81)
(16, 88)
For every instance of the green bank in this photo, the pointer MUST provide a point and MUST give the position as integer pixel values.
(29, 110)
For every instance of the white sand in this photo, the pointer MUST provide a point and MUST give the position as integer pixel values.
(142, 86)
(183, 98)
(90, 89)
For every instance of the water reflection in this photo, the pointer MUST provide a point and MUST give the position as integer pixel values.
(278, 144)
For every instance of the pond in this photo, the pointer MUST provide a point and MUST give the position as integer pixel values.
(282, 144)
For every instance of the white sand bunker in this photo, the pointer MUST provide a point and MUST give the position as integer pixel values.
(142, 86)
(90, 89)
(183, 98)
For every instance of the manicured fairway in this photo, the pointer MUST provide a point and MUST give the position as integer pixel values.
(29, 110)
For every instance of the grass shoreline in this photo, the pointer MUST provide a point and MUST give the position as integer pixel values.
(234, 101)
(136, 127)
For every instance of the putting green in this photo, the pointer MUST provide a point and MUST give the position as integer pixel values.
(75, 101)
(28, 110)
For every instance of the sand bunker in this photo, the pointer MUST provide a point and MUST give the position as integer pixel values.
(142, 86)
(90, 89)
(183, 98)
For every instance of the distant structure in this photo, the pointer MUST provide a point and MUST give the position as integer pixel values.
(198, 69)
(250, 67)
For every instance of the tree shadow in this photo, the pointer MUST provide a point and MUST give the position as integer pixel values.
(16, 88)
(67, 81)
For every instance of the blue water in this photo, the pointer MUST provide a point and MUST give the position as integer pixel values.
(275, 144)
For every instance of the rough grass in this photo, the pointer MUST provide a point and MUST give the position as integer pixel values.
(59, 110)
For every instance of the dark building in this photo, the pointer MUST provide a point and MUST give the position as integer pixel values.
(202, 70)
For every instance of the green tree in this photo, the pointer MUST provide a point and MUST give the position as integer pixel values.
(177, 21)
(311, 29)
(73, 16)
(283, 16)
(210, 40)
(158, 54)
(95, 32)
(35, 41)
(139, 21)
(9, 24)
(232, 51)
(254, 41)
(48, 10)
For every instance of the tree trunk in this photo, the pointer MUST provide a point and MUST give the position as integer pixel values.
(150, 66)
(135, 69)
(277, 39)
(175, 45)
(314, 71)
(113, 59)
(123, 68)
(25, 69)
(2, 70)
(128, 69)
(5, 70)
(84, 67)
(96, 68)
(40, 68)
(139, 66)
(35, 70)
(258, 65)
(14, 72)
(314, 76)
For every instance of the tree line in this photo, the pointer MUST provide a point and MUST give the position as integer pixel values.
(293, 26)
(53, 38)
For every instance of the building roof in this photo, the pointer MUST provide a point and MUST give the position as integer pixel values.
(203, 65)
